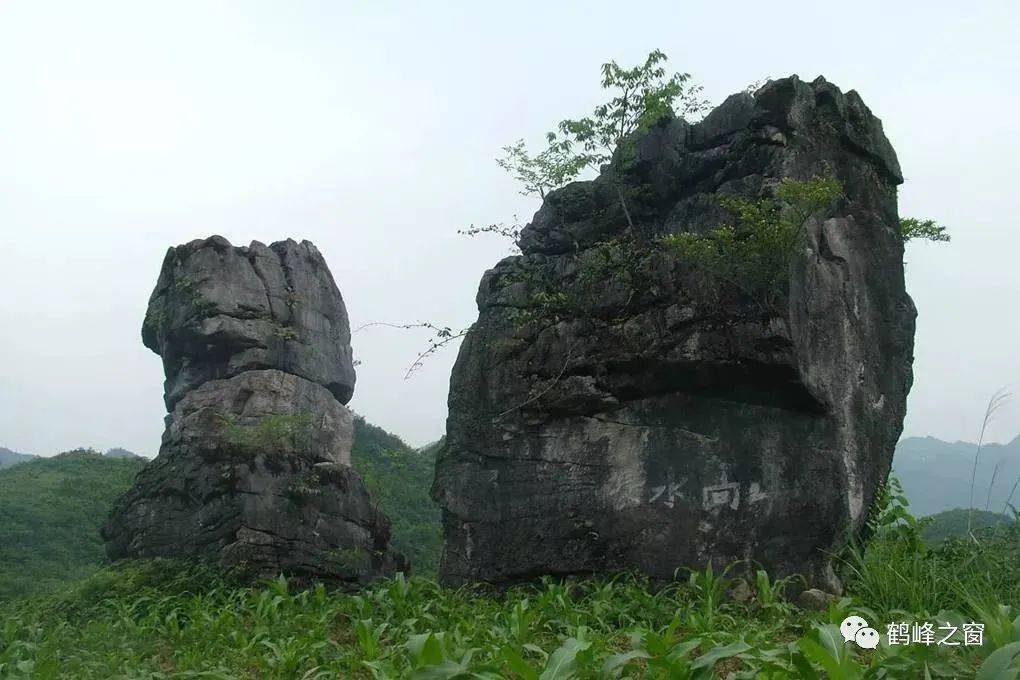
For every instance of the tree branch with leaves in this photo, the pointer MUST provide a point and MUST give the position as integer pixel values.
(639, 97)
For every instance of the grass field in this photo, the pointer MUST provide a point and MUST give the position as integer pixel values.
(163, 619)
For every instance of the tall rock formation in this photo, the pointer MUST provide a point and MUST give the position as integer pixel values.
(254, 468)
(675, 423)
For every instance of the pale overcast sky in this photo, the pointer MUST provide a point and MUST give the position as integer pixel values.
(370, 128)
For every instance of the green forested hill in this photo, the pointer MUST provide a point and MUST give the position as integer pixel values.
(50, 512)
(399, 478)
(51, 508)
(954, 523)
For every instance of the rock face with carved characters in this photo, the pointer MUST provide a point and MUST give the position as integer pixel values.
(674, 423)
(254, 468)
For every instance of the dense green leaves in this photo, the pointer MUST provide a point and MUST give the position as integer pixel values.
(639, 96)
(927, 230)
(752, 254)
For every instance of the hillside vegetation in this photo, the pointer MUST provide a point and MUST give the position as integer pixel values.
(51, 508)
(50, 513)
(399, 479)
(956, 523)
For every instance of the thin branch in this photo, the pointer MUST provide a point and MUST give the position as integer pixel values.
(511, 232)
(444, 335)
(434, 346)
(546, 390)
(399, 326)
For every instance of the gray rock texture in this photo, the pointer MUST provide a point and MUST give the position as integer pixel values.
(674, 423)
(219, 310)
(254, 467)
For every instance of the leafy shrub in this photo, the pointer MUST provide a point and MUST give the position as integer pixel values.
(753, 254)
(928, 230)
(271, 434)
(750, 257)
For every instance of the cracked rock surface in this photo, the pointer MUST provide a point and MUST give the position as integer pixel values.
(219, 310)
(673, 424)
(254, 467)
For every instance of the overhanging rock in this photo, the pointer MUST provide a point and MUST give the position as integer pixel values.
(674, 424)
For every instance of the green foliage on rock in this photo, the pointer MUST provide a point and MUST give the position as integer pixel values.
(641, 95)
(50, 513)
(749, 256)
(271, 434)
(753, 253)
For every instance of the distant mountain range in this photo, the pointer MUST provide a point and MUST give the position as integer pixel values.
(9, 458)
(936, 474)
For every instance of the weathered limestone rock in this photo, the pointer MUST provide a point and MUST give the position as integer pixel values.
(675, 423)
(218, 310)
(254, 468)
